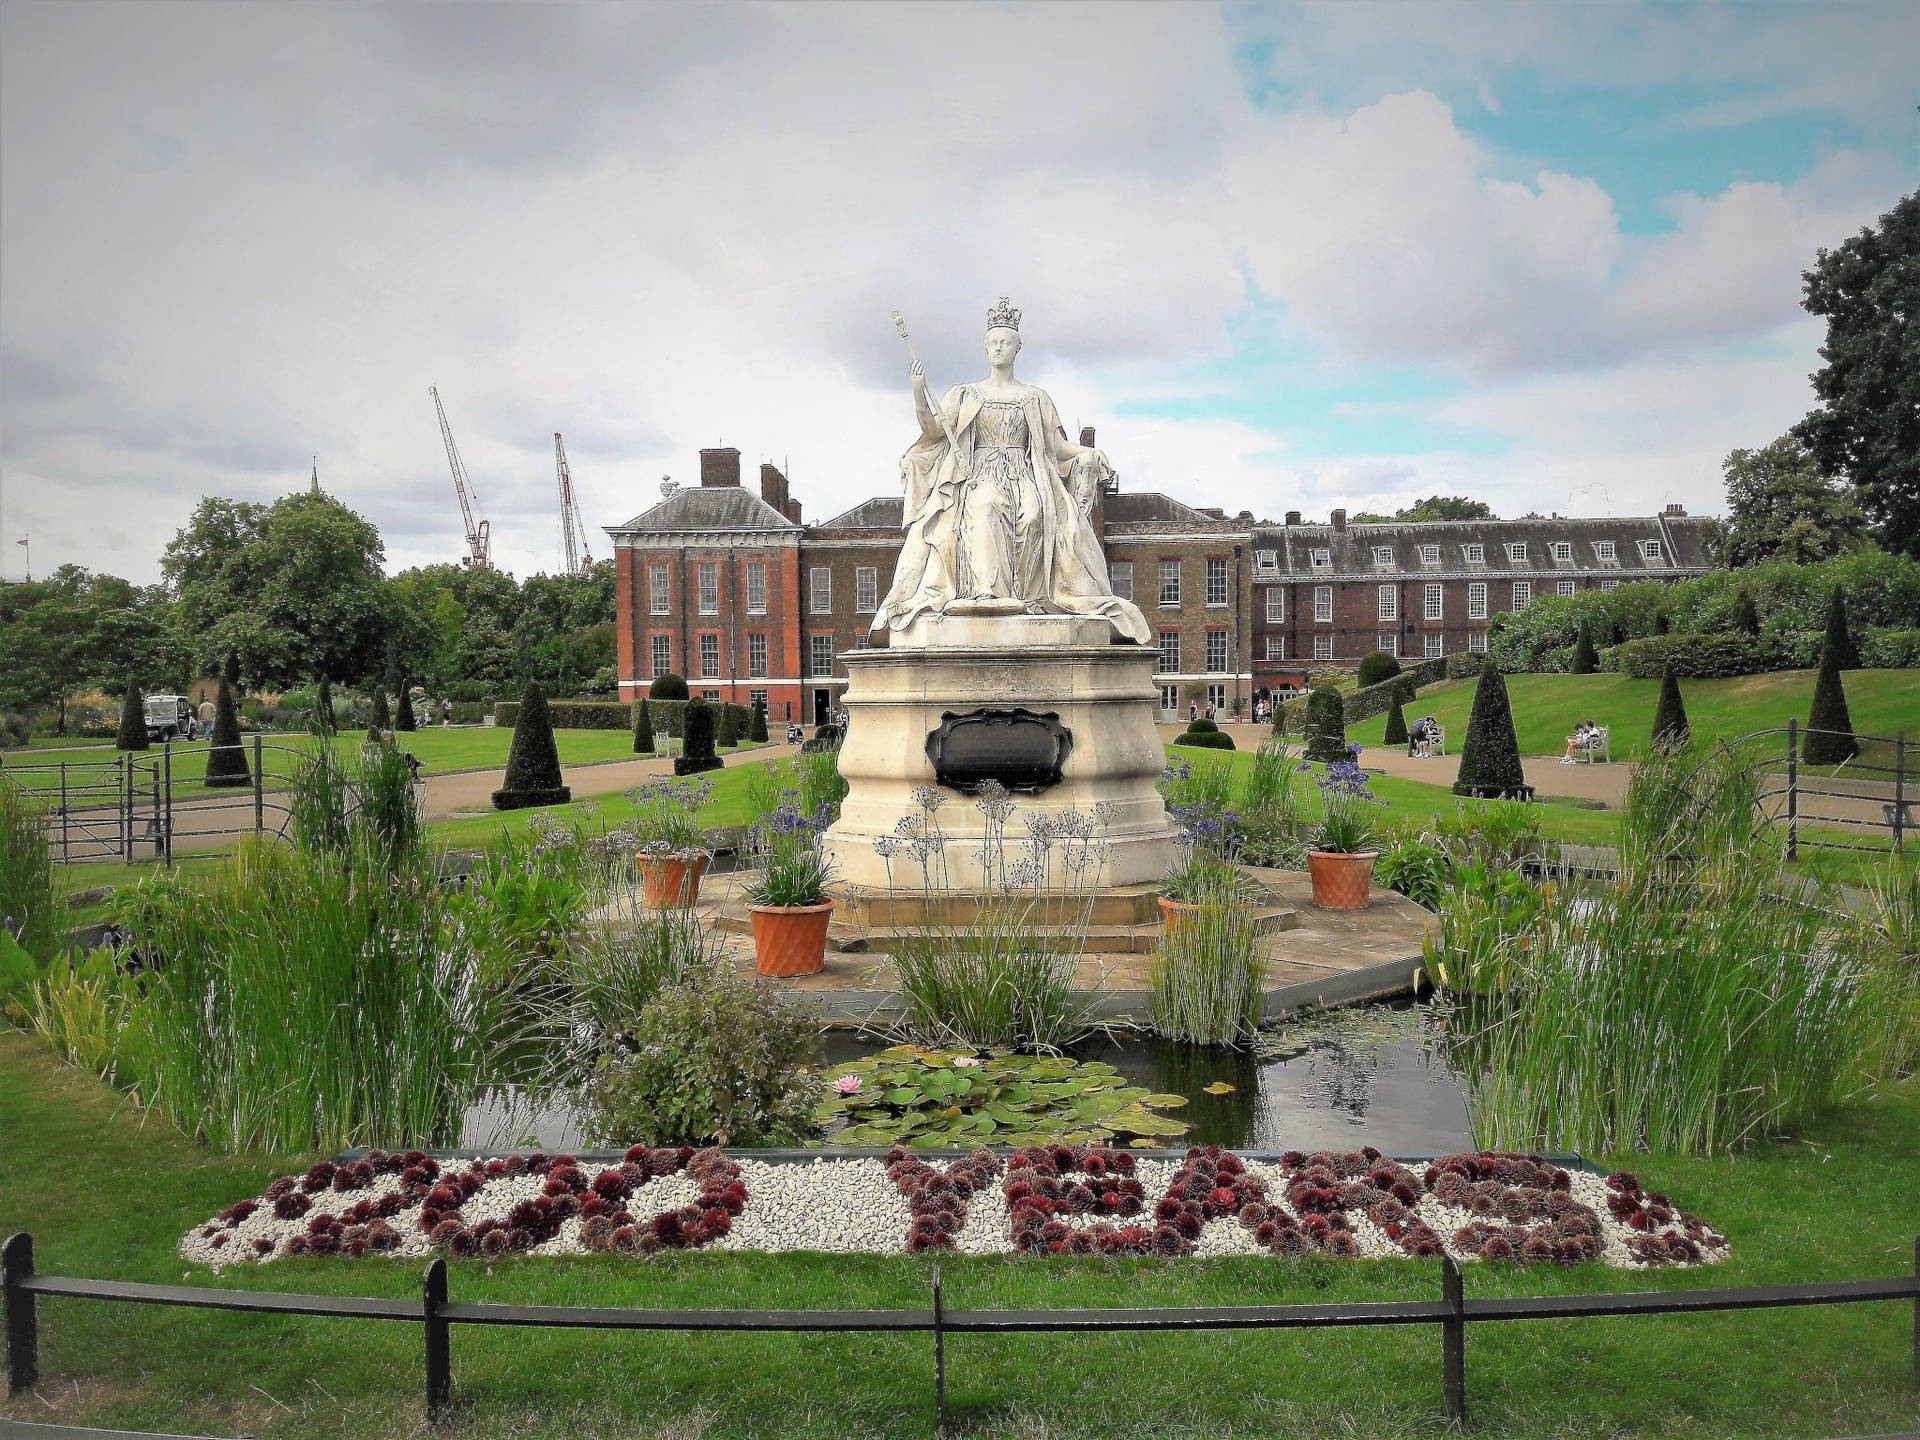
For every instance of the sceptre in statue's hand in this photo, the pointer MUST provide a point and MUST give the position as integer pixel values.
(922, 396)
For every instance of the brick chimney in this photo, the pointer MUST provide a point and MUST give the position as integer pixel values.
(773, 488)
(720, 466)
(1293, 517)
(793, 511)
(1339, 519)
(1086, 436)
(1674, 510)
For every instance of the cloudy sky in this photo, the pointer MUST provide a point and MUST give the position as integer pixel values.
(1287, 257)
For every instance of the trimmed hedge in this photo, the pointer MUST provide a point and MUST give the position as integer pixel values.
(1670, 727)
(1213, 739)
(1396, 731)
(757, 724)
(1326, 726)
(1202, 726)
(643, 741)
(698, 753)
(533, 762)
(1375, 699)
(1377, 667)
(667, 687)
(1890, 650)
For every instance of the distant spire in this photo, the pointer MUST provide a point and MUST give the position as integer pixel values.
(316, 474)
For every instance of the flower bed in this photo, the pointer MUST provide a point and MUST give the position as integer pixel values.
(1042, 1200)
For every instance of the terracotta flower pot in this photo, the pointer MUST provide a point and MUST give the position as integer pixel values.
(1172, 912)
(672, 882)
(1341, 882)
(790, 939)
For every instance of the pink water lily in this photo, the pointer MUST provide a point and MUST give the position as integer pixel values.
(967, 1062)
(848, 1084)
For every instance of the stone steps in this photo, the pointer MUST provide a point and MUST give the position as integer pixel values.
(853, 939)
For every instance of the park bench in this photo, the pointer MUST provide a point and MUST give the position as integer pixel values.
(1597, 745)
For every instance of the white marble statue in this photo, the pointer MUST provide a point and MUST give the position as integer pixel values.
(997, 504)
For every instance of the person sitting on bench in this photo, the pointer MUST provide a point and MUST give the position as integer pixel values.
(1577, 740)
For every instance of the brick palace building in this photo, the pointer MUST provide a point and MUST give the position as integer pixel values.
(733, 591)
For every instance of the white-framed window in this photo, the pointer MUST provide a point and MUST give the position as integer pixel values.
(1320, 559)
(756, 587)
(1522, 595)
(1435, 599)
(1276, 647)
(1266, 562)
(1217, 698)
(1323, 604)
(1389, 602)
(709, 657)
(756, 656)
(1476, 600)
(1606, 552)
(1567, 587)
(1429, 554)
(1388, 643)
(1436, 646)
(661, 656)
(1169, 582)
(1170, 699)
(709, 588)
(1216, 650)
(863, 639)
(1477, 642)
(866, 589)
(1323, 647)
(1516, 552)
(659, 589)
(1216, 583)
(1276, 604)
(820, 649)
(820, 590)
(1120, 578)
(1474, 554)
(1651, 551)
(1562, 550)
(1609, 584)
(1169, 652)
(757, 700)
(711, 696)
(1383, 557)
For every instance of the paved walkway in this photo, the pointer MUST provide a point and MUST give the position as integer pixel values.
(473, 789)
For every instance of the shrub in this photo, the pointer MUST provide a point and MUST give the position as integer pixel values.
(320, 805)
(1890, 650)
(998, 979)
(715, 1060)
(1745, 617)
(1586, 659)
(1202, 726)
(1326, 725)
(1839, 639)
(622, 963)
(697, 754)
(1377, 667)
(824, 738)
(226, 756)
(575, 714)
(382, 718)
(390, 821)
(133, 721)
(1396, 731)
(1415, 868)
(1670, 726)
(727, 732)
(1463, 665)
(1207, 983)
(1829, 725)
(667, 687)
(757, 726)
(403, 713)
(533, 761)
(1490, 757)
(1206, 740)
(642, 729)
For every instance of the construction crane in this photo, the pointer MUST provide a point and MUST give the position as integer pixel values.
(573, 534)
(480, 534)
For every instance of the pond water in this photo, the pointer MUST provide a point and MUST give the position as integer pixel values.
(1366, 1075)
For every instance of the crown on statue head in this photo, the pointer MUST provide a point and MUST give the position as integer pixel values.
(1003, 316)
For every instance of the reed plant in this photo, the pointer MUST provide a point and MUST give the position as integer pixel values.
(630, 955)
(996, 980)
(29, 900)
(1207, 984)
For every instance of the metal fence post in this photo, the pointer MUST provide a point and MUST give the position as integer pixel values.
(1453, 1339)
(1899, 787)
(940, 1356)
(1916, 1313)
(166, 826)
(439, 1354)
(1793, 789)
(259, 788)
(64, 850)
(23, 1321)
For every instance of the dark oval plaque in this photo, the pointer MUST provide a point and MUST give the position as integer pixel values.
(1020, 749)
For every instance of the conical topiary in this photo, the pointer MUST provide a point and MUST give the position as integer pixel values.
(1670, 728)
(403, 709)
(1839, 639)
(728, 731)
(133, 721)
(1746, 615)
(1661, 625)
(1490, 759)
(1829, 726)
(533, 762)
(323, 707)
(1586, 659)
(1326, 725)
(226, 758)
(1396, 732)
(642, 729)
(382, 720)
(757, 727)
(697, 748)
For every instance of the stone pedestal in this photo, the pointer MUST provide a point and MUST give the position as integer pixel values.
(956, 665)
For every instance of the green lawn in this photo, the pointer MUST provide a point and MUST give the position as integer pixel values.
(106, 1192)
(1547, 707)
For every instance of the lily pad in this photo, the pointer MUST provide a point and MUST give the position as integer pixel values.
(1219, 1087)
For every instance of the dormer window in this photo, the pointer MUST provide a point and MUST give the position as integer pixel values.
(1606, 552)
(1562, 551)
(1475, 554)
(1650, 551)
(1383, 557)
(1322, 559)
(1516, 552)
(1266, 562)
(1429, 554)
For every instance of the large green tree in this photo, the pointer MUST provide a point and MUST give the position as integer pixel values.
(77, 629)
(1780, 507)
(1434, 507)
(1867, 429)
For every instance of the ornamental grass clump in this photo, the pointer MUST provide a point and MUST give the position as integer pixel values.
(1207, 984)
(29, 907)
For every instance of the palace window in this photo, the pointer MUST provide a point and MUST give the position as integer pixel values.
(1651, 552)
(709, 657)
(1516, 552)
(1522, 595)
(1216, 582)
(1120, 578)
(866, 589)
(1169, 582)
(1567, 587)
(756, 587)
(659, 589)
(1323, 647)
(1562, 550)
(1276, 604)
(709, 588)
(821, 647)
(1476, 600)
(1169, 652)
(1276, 647)
(757, 699)
(820, 589)
(662, 656)
(1216, 650)
(1323, 604)
(1388, 643)
(1474, 554)
(1436, 646)
(1266, 562)
(1383, 557)
(1609, 584)
(1320, 559)
(1429, 554)
(1389, 603)
(756, 657)
(1477, 642)
(1436, 598)
(1606, 552)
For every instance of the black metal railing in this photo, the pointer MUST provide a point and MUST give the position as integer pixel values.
(437, 1314)
(1873, 793)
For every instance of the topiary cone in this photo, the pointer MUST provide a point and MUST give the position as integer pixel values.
(1586, 659)
(533, 762)
(227, 758)
(642, 730)
(757, 727)
(1830, 738)
(1396, 732)
(697, 750)
(1490, 758)
(1670, 728)
(403, 716)
(133, 721)
(1326, 725)
(729, 731)
(1839, 639)
(382, 718)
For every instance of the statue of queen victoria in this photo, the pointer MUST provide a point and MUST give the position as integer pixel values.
(997, 504)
